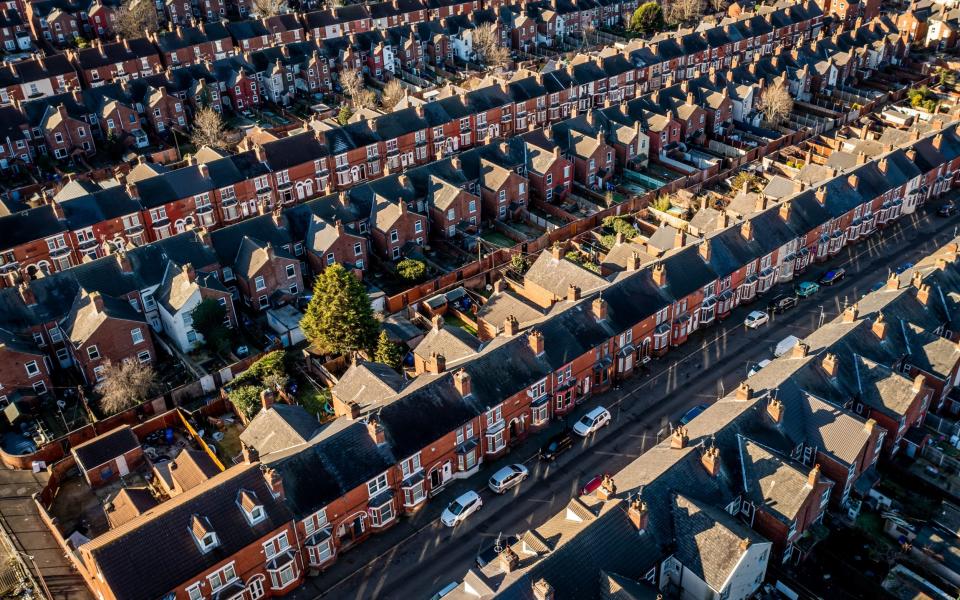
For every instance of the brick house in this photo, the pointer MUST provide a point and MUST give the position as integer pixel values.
(327, 244)
(181, 291)
(64, 134)
(393, 225)
(103, 331)
(118, 61)
(265, 274)
(37, 78)
(184, 46)
(23, 368)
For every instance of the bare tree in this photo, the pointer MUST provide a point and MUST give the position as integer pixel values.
(487, 47)
(208, 129)
(393, 93)
(776, 103)
(718, 5)
(269, 8)
(125, 385)
(684, 11)
(135, 19)
(354, 86)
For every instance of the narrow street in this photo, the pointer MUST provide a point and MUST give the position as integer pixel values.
(418, 556)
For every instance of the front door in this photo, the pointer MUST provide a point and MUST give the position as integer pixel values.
(122, 467)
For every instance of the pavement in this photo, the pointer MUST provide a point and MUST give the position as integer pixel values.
(418, 555)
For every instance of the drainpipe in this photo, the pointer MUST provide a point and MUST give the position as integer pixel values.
(300, 549)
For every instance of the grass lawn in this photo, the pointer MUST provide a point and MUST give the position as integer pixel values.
(497, 238)
(455, 321)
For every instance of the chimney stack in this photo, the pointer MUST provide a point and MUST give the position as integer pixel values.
(26, 294)
(705, 250)
(659, 275)
(436, 321)
(813, 477)
(599, 308)
(511, 326)
(744, 391)
(266, 398)
(711, 461)
(893, 281)
(785, 210)
(557, 250)
(607, 489)
(775, 410)
(375, 429)
(879, 327)
(461, 381)
(870, 426)
(249, 453)
(97, 300)
(679, 439)
(542, 590)
(918, 382)
(923, 294)
(746, 230)
(830, 365)
(821, 194)
(437, 363)
(633, 262)
(850, 313)
(535, 339)
(637, 513)
(573, 293)
(800, 350)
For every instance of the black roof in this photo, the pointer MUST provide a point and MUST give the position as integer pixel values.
(105, 447)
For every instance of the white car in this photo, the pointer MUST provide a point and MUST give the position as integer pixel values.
(445, 590)
(507, 477)
(592, 421)
(461, 508)
(756, 319)
(756, 368)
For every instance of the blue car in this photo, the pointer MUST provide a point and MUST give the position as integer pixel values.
(832, 276)
(692, 413)
(904, 267)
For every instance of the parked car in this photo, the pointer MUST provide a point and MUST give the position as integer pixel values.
(756, 319)
(507, 477)
(457, 511)
(904, 267)
(556, 445)
(948, 209)
(807, 289)
(592, 485)
(781, 303)
(445, 590)
(832, 276)
(756, 368)
(592, 421)
(692, 413)
(785, 345)
(491, 552)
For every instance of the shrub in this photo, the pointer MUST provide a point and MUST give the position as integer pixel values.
(411, 270)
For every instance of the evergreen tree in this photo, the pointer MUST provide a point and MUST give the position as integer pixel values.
(648, 18)
(388, 352)
(339, 318)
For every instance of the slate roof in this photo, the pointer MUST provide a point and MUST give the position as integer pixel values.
(774, 482)
(192, 468)
(453, 343)
(366, 380)
(150, 555)
(556, 275)
(105, 447)
(84, 319)
(280, 428)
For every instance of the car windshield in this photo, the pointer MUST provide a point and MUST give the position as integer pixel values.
(586, 420)
(516, 469)
(455, 507)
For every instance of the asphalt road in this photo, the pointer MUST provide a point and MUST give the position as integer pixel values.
(419, 555)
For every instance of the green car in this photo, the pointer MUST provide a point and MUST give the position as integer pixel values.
(807, 288)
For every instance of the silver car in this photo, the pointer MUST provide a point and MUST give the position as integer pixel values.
(507, 477)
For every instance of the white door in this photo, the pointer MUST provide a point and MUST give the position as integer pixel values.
(122, 466)
(447, 471)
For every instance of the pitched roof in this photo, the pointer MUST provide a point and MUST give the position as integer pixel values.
(368, 381)
(279, 428)
(191, 468)
(773, 481)
(556, 275)
(105, 447)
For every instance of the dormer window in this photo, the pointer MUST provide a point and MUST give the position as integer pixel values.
(203, 533)
(252, 509)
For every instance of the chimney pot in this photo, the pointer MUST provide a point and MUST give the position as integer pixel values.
(830, 365)
(535, 339)
(461, 381)
(511, 326)
(437, 363)
(744, 391)
(813, 477)
(711, 461)
(850, 314)
(573, 293)
(659, 275)
(775, 410)
(679, 439)
(879, 327)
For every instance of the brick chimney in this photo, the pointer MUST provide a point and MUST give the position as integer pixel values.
(829, 364)
(542, 590)
(266, 398)
(937, 141)
(813, 477)
(26, 294)
(607, 489)
(893, 281)
(761, 202)
(800, 350)
(509, 561)
(853, 180)
(850, 313)
(437, 363)
(633, 262)
(97, 301)
(557, 250)
(436, 321)
(123, 259)
(923, 294)
(375, 429)
(599, 308)
(711, 461)
(275, 482)
(704, 250)
(679, 439)
(659, 275)
(746, 230)
(511, 326)
(637, 513)
(870, 426)
(249, 453)
(461, 381)
(918, 382)
(535, 339)
(744, 391)
(917, 280)
(573, 293)
(775, 410)
(879, 327)
(785, 210)
(821, 194)
(679, 239)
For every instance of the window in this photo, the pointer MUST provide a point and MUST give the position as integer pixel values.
(357, 249)
(394, 236)
(315, 522)
(284, 576)
(418, 227)
(411, 465)
(227, 275)
(137, 335)
(263, 301)
(494, 416)
(465, 433)
(99, 372)
(549, 178)
(291, 271)
(276, 545)
(381, 515)
(259, 283)
(40, 387)
(93, 352)
(143, 357)
(220, 578)
(255, 588)
(377, 485)
(320, 553)
(194, 593)
(294, 289)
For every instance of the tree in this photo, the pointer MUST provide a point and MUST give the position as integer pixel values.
(411, 270)
(135, 19)
(208, 129)
(393, 93)
(343, 117)
(339, 318)
(745, 179)
(620, 225)
(246, 399)
(684, 11)
(718, 5)
(208, 318)
(269, 8)
(519, 263)
(487, 47)
(126, 384)
(388, 352)
(776, 103)
(648, 18)
(351, 80)
(663, 203)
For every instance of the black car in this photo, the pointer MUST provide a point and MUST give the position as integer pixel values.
(556, 445)
(782, 303)
(832, 276)
(491, 552)
(947, 210)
